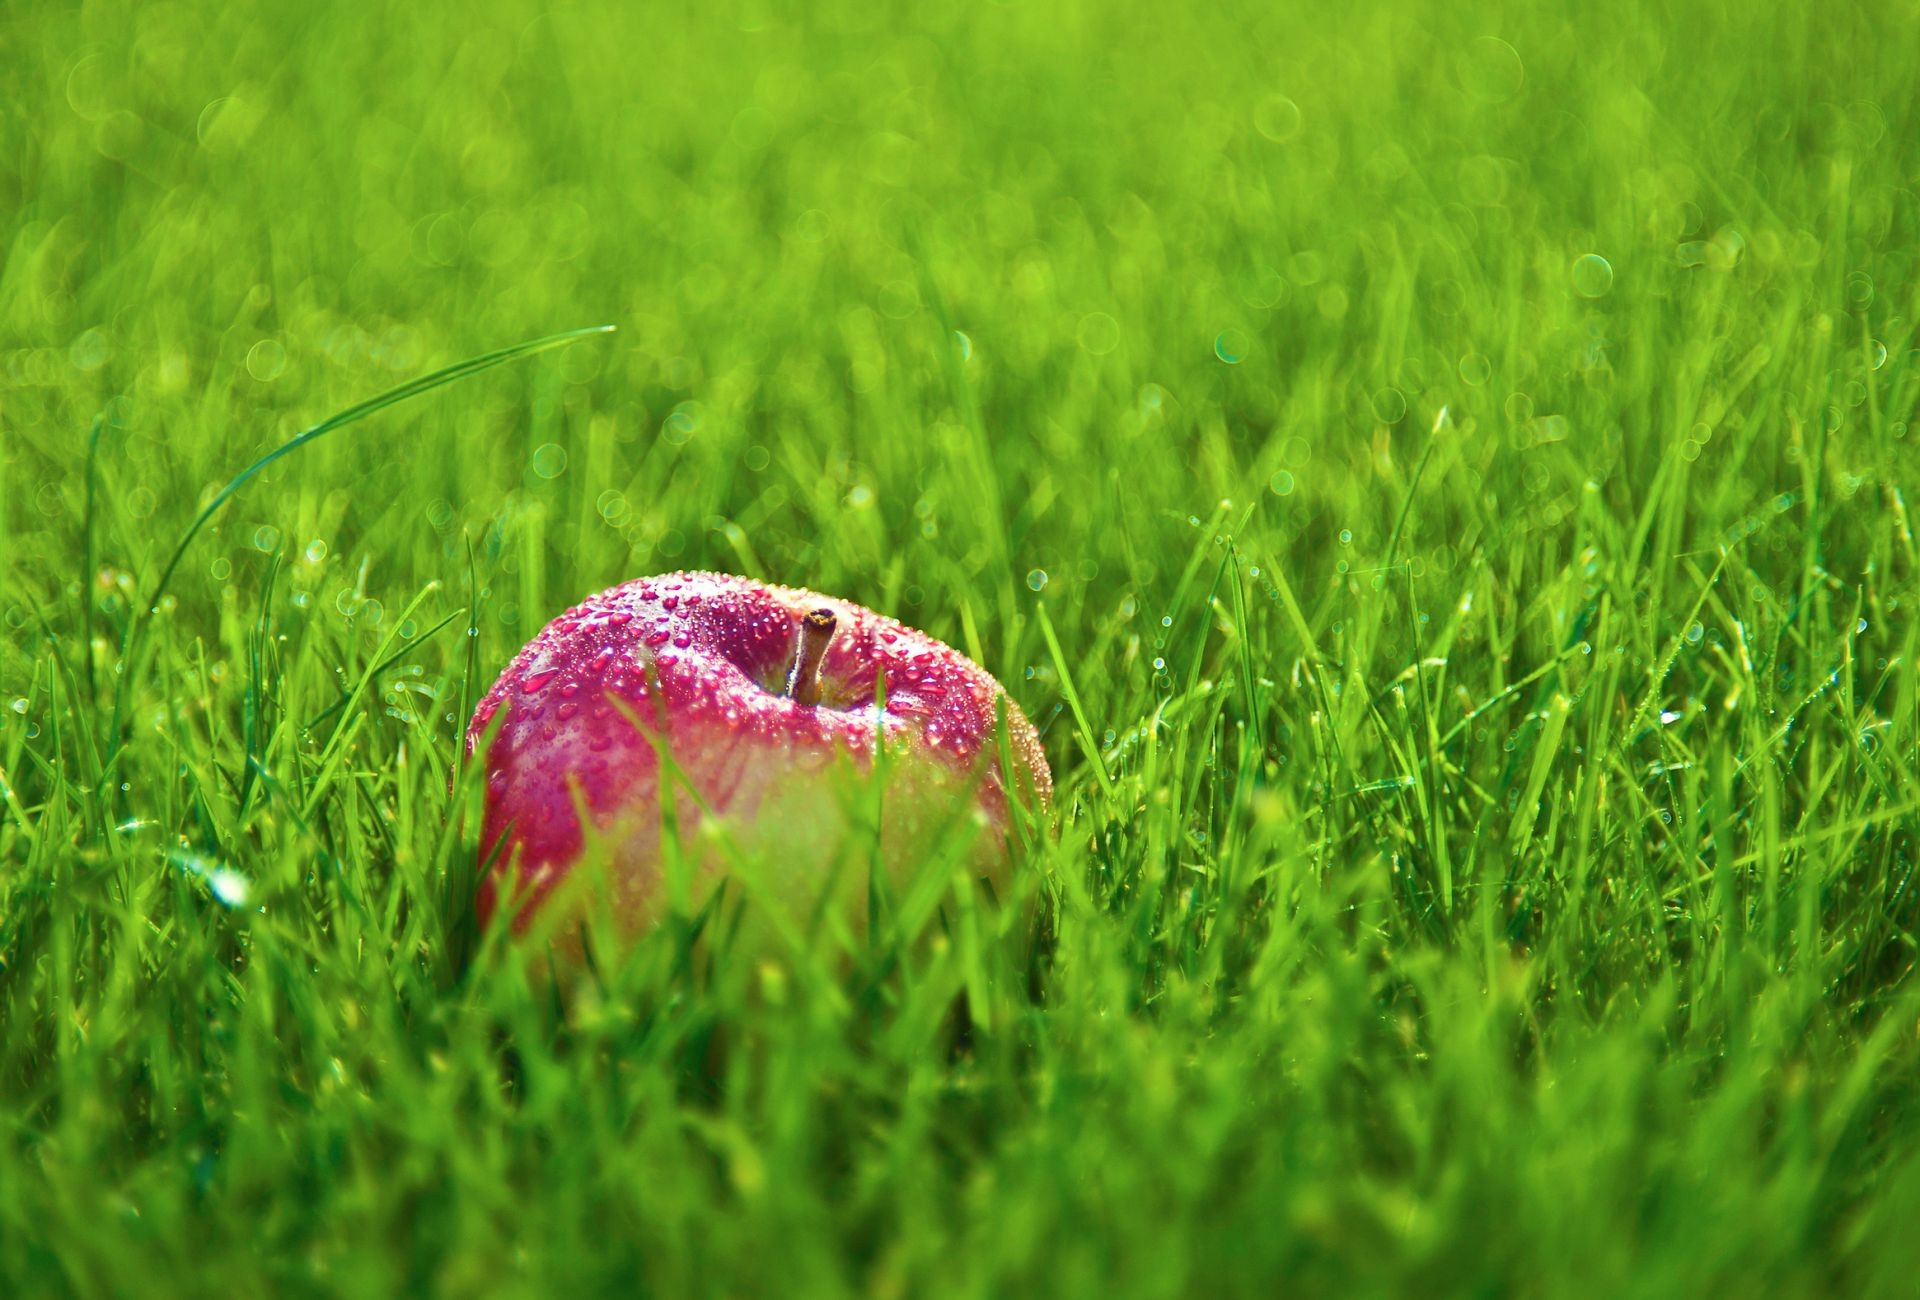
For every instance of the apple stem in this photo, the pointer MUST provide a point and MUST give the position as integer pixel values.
(809, 648)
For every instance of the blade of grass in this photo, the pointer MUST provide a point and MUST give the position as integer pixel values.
(1088, 744)
(352, 415)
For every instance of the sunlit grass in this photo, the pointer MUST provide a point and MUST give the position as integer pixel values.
(1439, 480)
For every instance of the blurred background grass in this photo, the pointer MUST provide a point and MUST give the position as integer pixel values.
(1463, 454)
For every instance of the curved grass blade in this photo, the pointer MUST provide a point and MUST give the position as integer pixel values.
(393, 396)
(372, 406)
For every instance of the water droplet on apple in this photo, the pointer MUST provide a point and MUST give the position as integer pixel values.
(668, 602)
(619, 618)
(569, 689)
(658, 637)
(602, 660)
(668, 661)
(683, 640)
(566, 711)
(534, 681)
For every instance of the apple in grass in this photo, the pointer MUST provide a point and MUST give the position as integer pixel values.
(762, 700)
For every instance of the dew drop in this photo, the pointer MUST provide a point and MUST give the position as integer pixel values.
(230, 887)
(1592, 276)
(1389, 406)
(534, 681)
(1277, 118)
(1231, 346)
(550, 460)
(1099, 333)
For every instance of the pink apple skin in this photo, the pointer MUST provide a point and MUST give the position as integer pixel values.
(701, 661)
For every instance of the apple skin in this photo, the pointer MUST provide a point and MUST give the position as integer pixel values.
(700, 662)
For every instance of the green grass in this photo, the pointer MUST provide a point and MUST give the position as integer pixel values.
(1480, 681)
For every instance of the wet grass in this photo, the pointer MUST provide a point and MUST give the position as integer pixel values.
(1440, 481)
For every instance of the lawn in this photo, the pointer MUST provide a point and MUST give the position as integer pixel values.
(1439, 477)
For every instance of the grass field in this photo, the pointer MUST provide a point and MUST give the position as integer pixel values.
(1439, 476)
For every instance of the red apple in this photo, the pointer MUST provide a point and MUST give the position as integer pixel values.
(764, 699)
